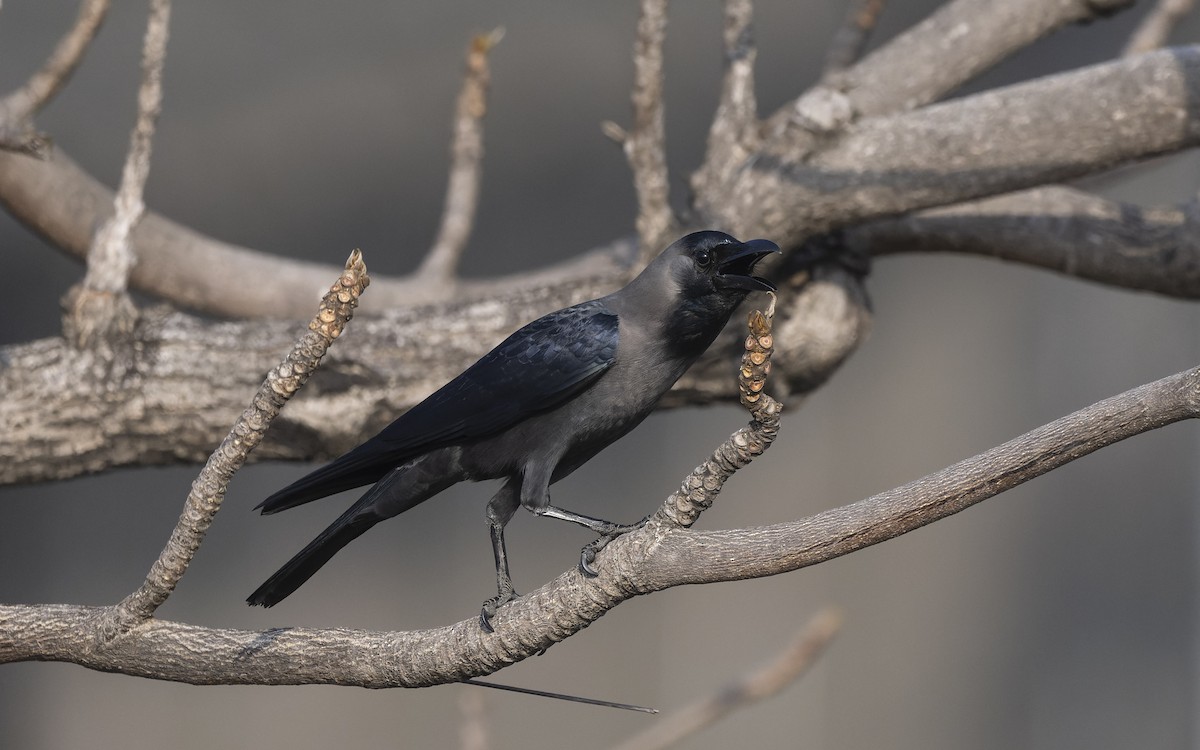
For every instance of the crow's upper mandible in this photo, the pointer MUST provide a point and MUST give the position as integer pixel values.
(536, 407)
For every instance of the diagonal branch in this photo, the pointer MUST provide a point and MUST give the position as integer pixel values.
(18, 108)
(953, 45)
(851, 38)
(1057, 228)
(1156, 27)
(994, 142)
(208, 490)
(466, 165)
(766, 682)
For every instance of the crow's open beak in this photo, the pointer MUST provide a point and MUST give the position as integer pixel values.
(735, 262)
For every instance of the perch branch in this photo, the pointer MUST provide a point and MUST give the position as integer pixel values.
(655, 557)
(18, 108)
(466, 165)
(766, 682)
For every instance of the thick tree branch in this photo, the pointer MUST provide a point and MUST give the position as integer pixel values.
(994, 142)
(466, 165)
(1057, 228)
(956, 43)
(18, 108)
(656, 557)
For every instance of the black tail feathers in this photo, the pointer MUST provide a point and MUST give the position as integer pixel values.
(310, 559)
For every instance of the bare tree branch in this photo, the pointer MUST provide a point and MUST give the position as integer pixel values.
(645, 144)
(851, 38)
(656, 557)
(18, 108)
(994, 142)
(956, 43)
(733, 135)
(1156, 27)
(1057, 228)
(100, 305)
(766, 682)
(466, 165)
(208, 490)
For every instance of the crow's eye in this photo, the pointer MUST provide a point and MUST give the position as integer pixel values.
(704, 258)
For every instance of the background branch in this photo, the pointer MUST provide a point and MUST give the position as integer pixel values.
(1057, 228)
(1156, 27)
(466, 165)
(766, 682)
(18, 108)
(645, 144)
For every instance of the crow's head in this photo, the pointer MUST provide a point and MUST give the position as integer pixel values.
(698, 281)
(715, 265)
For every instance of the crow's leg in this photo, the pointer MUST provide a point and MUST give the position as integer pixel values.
(607, 530)
(500, 510)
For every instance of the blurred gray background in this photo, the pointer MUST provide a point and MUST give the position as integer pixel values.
(1062, 614)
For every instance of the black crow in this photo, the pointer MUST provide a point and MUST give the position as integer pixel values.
(535, 408)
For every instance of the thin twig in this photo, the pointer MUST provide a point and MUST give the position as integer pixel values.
(18, 108)
(1156, 27)
(208, 490)
(851, 38)
(644, 145)
(466, 164)
(101, 305)
(768, 681)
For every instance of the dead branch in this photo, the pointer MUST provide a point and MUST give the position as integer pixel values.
(100, 307)
(645, 143)
(1156, 27)
(851, 38)
(466, 165)
(656, 557)
(18, 108)
(766, 682)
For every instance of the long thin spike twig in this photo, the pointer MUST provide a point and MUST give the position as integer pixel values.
(466, 164)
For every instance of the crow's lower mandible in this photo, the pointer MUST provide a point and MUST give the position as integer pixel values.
(535, 408)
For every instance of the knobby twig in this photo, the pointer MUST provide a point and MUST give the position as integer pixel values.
(466, 165)
(100, 305)
(849, 41)
(1156, 27)
(768, 681)
(208, 490)
(18, 108)
(645, 144)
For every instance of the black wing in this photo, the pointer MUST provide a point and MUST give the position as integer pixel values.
(536, 369)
